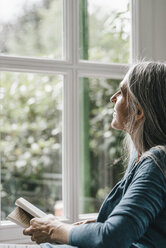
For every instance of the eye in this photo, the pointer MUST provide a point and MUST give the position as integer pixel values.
(119, 93)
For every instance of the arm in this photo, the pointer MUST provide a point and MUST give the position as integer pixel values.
(49, 229)
(84, 222)
(129, 221)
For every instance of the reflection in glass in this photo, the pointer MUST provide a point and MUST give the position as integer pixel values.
(101, 157)
(31, 140)
(105, 30)
(31, 28)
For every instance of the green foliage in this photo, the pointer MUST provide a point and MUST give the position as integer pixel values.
(105, 165)
(31, 121)
(103, 38)
(108, 39)
(31, 108)
(37, 32)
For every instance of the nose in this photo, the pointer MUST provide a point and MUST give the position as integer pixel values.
(113, 98)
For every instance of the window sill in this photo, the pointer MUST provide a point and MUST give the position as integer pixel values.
(11, 233)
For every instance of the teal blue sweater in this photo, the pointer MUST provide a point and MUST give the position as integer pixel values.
(134, 213)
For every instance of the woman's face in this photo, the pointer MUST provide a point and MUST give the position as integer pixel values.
(120, 114)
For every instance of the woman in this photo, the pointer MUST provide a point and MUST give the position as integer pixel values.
(134, 213)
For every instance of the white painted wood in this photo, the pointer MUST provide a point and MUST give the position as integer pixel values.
(159, 30)
(68, 161)
(142, 30)
(148, 30)
(10, 232)
(67, 30)
(11, 63)
(135, 30)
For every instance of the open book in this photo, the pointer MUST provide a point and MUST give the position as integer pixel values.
(24, 212)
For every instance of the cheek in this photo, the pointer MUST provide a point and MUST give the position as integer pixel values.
(120, 116)
(120, 108)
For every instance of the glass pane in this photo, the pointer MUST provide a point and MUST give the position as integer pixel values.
(105, 30)
(101, 146)
(31, 28)
(31, 140)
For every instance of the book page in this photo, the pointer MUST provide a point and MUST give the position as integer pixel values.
(20, 217)
(30, 208)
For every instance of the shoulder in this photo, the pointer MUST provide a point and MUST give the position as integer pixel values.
(153, 162)
(156, 156)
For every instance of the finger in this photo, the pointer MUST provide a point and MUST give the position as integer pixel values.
(32, 221)
(36, 236)
(40, 239)
(36, 221)
(27, 231)
(32, 238)
(87, 221)
(78, 223)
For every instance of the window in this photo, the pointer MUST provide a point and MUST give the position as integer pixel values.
(105, 31)
(104, 37)
(101, 153)
(30, 28)
(60, 61)
(31, 140)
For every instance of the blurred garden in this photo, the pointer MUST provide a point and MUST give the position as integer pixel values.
(31, 107)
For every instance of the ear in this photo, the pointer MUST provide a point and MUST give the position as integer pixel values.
(140, 113)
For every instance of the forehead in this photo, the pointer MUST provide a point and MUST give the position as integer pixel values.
(123, 84)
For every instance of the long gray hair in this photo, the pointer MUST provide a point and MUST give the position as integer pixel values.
(147, 88)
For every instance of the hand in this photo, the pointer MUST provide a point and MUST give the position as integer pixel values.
(84, 222)
(48, 229)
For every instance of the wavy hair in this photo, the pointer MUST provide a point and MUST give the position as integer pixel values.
(147, 88)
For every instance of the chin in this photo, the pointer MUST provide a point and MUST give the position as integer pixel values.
(115, 125)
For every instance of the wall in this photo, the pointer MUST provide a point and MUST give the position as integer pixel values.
(149, 31)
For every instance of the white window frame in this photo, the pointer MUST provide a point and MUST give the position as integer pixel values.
(72, 69)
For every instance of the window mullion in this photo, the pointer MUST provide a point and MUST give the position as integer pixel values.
(71, 124)
(11, 63)
(71, 148)
(112, 70)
